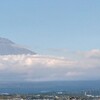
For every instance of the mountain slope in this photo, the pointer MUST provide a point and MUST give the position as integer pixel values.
(8, 47)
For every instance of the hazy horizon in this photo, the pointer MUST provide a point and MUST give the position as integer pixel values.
(52, 40)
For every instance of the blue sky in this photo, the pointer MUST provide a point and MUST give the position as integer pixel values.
(46, 24)
(64, 33)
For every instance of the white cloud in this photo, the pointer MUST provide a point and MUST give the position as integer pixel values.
(39, 67)
(95, 53)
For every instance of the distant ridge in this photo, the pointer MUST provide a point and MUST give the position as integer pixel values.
(7, 47)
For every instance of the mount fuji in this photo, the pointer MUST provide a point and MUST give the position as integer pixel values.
(7, 47)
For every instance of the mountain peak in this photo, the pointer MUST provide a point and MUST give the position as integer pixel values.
(5, 41)
(7, 47)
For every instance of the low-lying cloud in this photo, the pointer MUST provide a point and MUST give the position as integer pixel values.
(43, 68)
